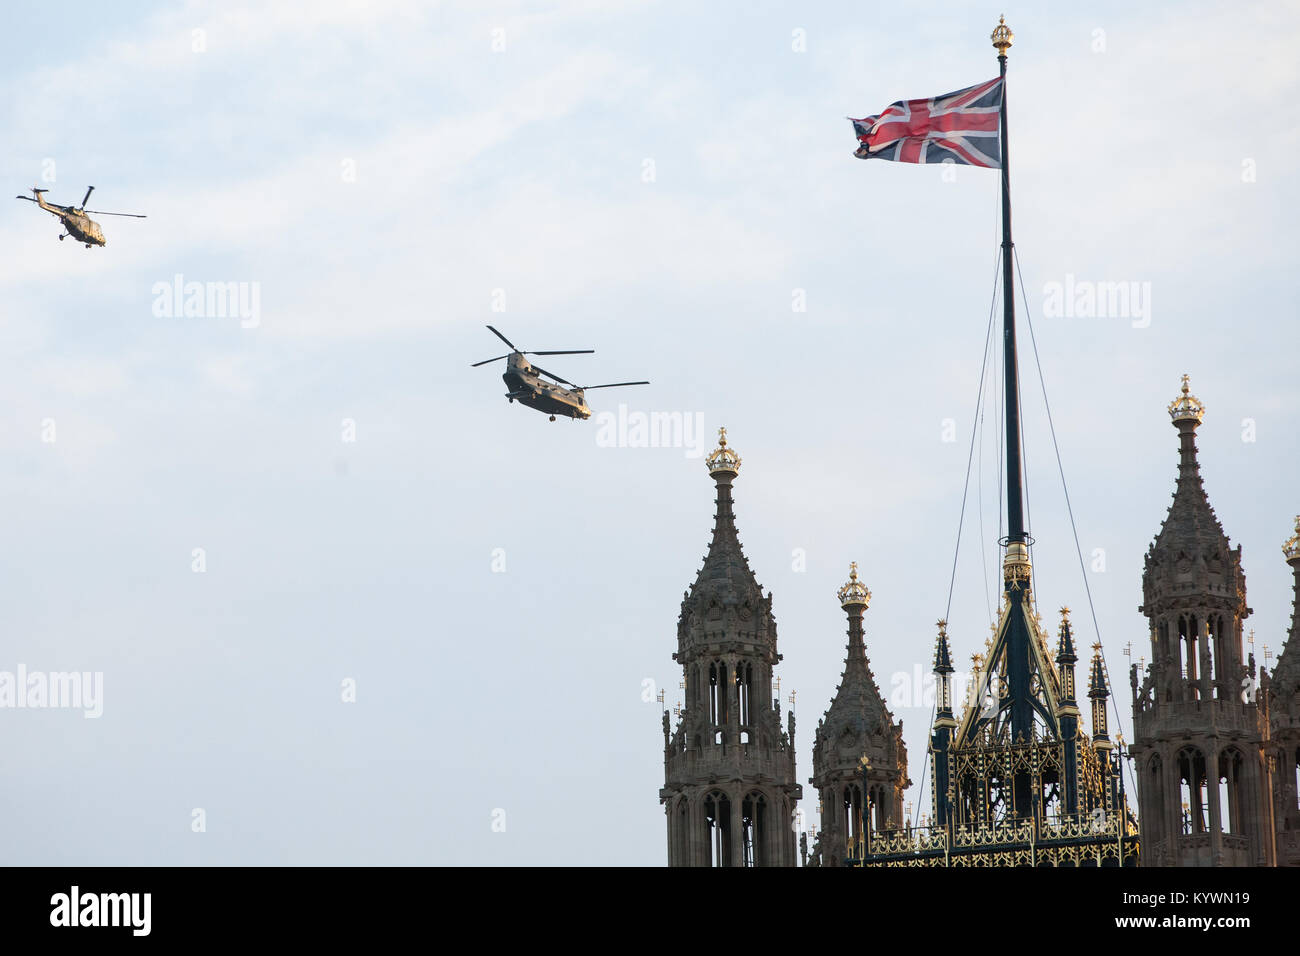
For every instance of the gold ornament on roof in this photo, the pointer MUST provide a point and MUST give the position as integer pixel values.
(854, 593)
(723, 459)
(1186, 407)
(1292, 547)
(1002, 37)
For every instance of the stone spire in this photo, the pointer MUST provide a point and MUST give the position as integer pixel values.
(1194, 725)
(1191, 521)
(857, 725)
(729, 767)
(1286, 675)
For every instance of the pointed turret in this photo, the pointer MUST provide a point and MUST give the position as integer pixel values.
(945, 723)
(1195, 710)
(1067, 715)
(1281, 691)
(729, 767)
(858, 724)
(1286, 675)
(1099, 694)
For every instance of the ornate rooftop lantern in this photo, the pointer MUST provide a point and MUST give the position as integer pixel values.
(1186, 407)
(1292, 546)
(854, 593)
(723, 459)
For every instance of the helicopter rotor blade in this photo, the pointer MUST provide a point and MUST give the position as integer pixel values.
(562, 381)
(86, 198)
(513, 347)
(100, 212)
(486, 361)
(567, 352)
(611, 385)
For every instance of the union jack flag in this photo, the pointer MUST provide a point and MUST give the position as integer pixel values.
(961, 127)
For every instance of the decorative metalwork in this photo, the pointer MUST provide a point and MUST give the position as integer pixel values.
(854, 593)
(1187, 407)
(1292, 546)
(723, 459)
(1002, 37)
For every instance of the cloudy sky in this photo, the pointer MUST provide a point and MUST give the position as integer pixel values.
(674, 188)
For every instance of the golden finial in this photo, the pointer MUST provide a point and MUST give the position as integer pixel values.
(1065, 611)
(723, 460)
(1002, 37)
(1186, 407)
(855, 593)
(1292, 547)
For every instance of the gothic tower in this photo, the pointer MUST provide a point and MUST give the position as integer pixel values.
(857, 750)
(729, 769)
(1281, 692)
(1199, 735)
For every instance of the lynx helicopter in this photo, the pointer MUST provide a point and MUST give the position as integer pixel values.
(527, 387)
(75, 219)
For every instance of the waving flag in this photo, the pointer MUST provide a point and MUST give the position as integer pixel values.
(961, 127)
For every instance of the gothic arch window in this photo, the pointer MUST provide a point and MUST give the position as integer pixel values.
(1193, 789)
(1295, 778)
(717, 826)
(680, 842)
(753, 823)
(851, 807)
(1154, 819)
(1232, 787)
(718, 693)
(744, 689)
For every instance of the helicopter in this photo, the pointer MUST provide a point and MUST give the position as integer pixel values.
(75, 219)
(524, 380)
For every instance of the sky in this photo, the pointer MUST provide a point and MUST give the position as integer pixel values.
(348, 605)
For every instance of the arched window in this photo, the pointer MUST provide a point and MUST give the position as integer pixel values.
(1231, 790)
(753, 821)
(717, 824)
(717, 688)
(851, 808)
(1193, 789)
(681, 844)
(1154, 820)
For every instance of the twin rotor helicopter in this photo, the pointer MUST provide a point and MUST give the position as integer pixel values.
(528, 387)
(76, 219)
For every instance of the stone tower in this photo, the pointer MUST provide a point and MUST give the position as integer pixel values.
(1199, 734)
(857, 742)
(729, 768)
(1281, 691)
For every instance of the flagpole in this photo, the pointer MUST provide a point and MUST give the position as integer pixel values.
(1016, 560)
(1002, 37)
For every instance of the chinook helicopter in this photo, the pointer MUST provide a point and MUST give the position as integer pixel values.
(75, 219)
(524, 380)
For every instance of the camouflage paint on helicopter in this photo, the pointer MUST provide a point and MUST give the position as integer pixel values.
(75, 220)
(527, 387)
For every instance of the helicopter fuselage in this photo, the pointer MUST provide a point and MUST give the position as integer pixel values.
(528, 388)
(80, 226)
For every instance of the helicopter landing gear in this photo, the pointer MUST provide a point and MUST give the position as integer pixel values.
(552, 418)
(62, 236)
